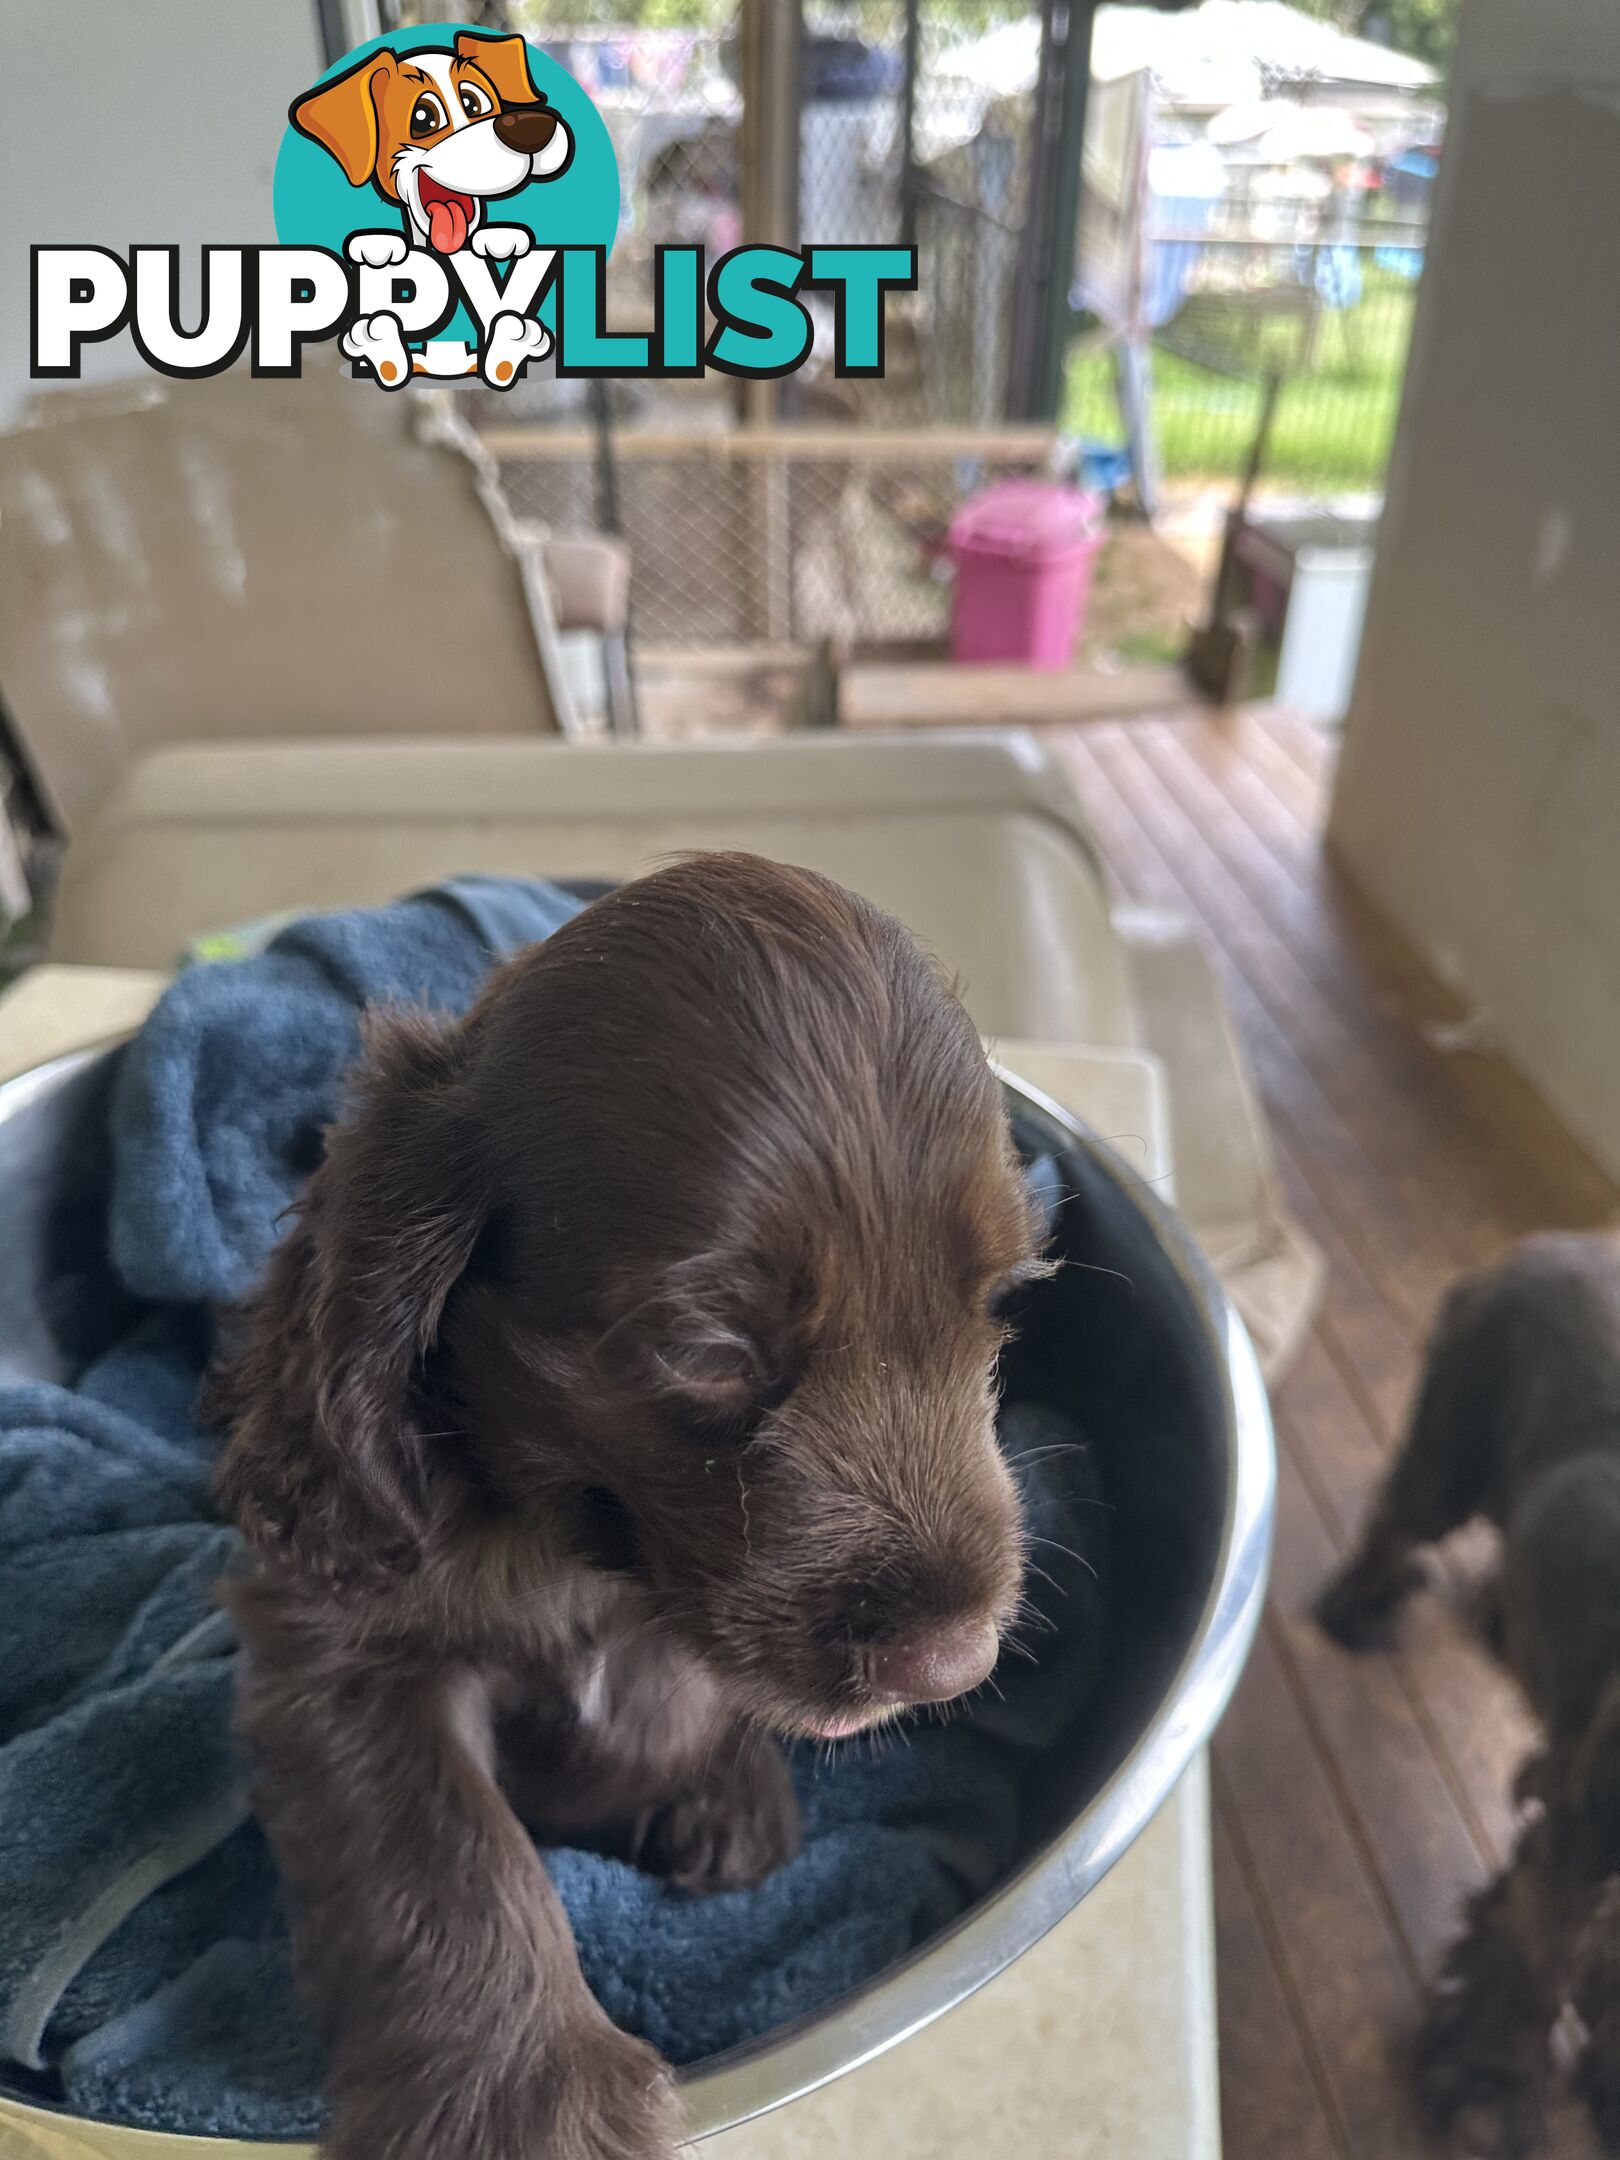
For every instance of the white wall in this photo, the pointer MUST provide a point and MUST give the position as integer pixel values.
(127, 121)
(1478, 800)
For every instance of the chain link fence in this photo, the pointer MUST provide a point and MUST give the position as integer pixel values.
(827, 523)
(818, 513)
(1317, 291)
(771, 538)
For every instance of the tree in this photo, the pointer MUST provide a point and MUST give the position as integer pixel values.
(1427, 29)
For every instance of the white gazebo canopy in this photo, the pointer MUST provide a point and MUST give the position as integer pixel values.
(1218, 54)
(1226, 52)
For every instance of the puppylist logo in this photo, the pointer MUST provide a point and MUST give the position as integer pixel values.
(445, 202)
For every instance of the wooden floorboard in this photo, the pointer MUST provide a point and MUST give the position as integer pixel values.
(1265, 2038)
(1357, 1801)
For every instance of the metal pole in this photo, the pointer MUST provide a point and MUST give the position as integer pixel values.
(607, 472)
(1033, 251)
(772, 35)
(908, 124)
(1056, 325)
(343, 24)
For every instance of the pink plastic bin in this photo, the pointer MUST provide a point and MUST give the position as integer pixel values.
(1024, 551)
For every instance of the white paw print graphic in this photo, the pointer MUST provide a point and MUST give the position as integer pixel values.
(376, 340)
(513, 340)
(498, 242)
(377, 250)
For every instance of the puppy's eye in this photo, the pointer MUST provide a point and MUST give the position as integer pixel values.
(720, 1379)
(1005, 1296)
(427, 115)
(473, 102)
(1002, 1297)
(719, 1389)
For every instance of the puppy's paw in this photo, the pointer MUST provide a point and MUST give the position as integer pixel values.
(1599, 2086)
(513, 340)
(1503, 2126)
(501, 243)
(377, 250)
(1359, 1610)
(1596, 2007)
(728, 1834)
(376, 340)
(1481, 2089)
(615, 2100)
(589, 2092)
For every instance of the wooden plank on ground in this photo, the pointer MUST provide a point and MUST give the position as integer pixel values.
(1420, 1847)
(1337, 1950)
(940, 694)
(1015, 445)
(1274, 2101)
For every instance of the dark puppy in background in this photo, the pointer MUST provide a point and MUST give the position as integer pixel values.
(1518, 1419)
(619, 1403)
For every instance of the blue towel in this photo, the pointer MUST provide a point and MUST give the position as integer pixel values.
(144, 1967)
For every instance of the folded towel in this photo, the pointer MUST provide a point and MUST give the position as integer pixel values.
(225, 1091)
(144, 1969)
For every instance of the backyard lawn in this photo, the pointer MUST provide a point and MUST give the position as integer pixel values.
(1335, 412)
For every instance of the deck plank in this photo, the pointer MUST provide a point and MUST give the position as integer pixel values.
(1274, 2097)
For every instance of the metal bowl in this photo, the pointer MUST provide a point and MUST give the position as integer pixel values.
(1137, 1343)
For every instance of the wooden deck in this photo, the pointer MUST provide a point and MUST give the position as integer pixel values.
(1356, 1801)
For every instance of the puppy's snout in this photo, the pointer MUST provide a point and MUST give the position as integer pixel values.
(945, 1659)
(526, 128)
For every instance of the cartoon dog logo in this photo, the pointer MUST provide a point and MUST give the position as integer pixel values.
(439, 134)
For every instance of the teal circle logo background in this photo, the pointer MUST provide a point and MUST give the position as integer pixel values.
(316, 207)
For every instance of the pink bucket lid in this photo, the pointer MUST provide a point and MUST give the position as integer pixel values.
(1024, 518)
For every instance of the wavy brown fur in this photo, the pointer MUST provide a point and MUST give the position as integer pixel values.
(1518, 1420)
(620, 1394)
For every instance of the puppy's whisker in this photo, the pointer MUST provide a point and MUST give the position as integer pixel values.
(1067, 1551)
(1045, 1578)
(1095, 1267)
(742, 1501)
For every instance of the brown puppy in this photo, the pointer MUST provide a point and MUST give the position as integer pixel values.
(1518, 1419)
(620, 1399)
(1522, 1374)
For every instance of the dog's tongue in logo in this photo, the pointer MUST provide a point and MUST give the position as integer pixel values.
(448, 212)
(452, 138)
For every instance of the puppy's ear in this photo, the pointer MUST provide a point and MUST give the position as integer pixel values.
(342, 115)
(327, 1461)
(505, 60)
(1595, 1783)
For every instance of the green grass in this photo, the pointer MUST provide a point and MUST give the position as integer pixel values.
(1335, 412)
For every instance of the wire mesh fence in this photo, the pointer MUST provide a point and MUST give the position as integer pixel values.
(916, 124)
(1317, 294)
(786, 537)
(907, 131)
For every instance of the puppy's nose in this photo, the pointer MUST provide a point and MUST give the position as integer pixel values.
(942, 1661)
(525, 127)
